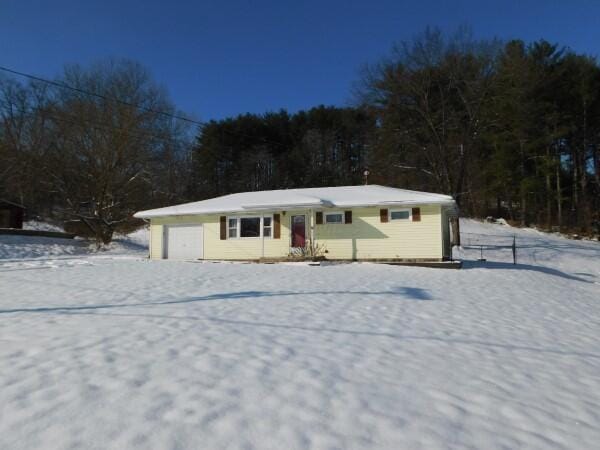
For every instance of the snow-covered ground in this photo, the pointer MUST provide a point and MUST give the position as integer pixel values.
(40, 226)
(41, 251)
(109, 350)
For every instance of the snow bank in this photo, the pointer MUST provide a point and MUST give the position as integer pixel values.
(17, 248)
(27, 247)
(534, 248)
(41, 226)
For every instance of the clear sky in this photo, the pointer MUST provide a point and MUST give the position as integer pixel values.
(222, 58)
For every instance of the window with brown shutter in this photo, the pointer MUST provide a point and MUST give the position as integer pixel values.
(383, 215)
(347, 216)
(223, 221)
(416, 214)
(319, 218)
(276, 226)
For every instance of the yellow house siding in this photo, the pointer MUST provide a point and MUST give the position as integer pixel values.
(244, 248)
(365, 238)
(232, 249)
(157, 231)
(156, 236)
(368, 238)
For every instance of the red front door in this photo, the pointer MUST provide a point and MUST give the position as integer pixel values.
(298, 231)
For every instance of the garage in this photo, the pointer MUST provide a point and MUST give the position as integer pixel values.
(183, 242)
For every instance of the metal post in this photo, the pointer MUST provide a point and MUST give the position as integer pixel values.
(262, 233)
(312, 229)
(482, 259)
(514, 249)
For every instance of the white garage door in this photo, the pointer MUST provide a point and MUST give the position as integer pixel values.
(184, 242)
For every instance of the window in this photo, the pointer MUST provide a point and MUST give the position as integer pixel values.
(333, 218)
(250, 227)
(267, 226)
(233, 227)
(400, 214)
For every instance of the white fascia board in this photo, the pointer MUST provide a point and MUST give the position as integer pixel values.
(261, 207)
(400, 203)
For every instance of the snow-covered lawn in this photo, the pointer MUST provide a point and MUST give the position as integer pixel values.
(16, 250)
(112, 351)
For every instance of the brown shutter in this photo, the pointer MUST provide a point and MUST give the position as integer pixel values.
(223, 220)
(276, 226)
(383, 215)
(347, 216)
(319, 218)
(416, 214)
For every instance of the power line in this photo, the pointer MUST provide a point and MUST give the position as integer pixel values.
(103, 97)
(74, 140)
(132, 105)
(96, 125)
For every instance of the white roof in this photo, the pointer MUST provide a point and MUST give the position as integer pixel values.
(326, 197)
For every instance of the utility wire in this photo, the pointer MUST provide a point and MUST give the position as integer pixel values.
(45, 113)
(103, 97)
(132, 105)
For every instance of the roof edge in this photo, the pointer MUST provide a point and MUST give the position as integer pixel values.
(149, 214)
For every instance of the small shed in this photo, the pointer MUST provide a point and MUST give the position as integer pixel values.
(11, 214)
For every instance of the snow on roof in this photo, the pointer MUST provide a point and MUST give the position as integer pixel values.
(326, 197)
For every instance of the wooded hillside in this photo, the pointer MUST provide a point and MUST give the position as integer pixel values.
(508, 128)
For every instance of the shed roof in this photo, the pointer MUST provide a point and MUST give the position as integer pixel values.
(326, 197)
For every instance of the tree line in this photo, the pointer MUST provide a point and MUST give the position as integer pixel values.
(68, 155)
(509, 129)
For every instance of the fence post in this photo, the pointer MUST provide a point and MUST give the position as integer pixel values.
(481, 258)
(514, 249)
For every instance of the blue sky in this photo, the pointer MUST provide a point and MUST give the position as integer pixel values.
(222, 58)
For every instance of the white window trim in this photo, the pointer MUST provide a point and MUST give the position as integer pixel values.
(237, 227)
(252, 216)
(408, 219)
(331, 213)
(262, 226)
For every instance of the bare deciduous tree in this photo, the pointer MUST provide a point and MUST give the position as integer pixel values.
(97, 151)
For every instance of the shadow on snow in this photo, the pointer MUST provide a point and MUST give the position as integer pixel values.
(408, 293)
(510, 266)
(447, 340)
